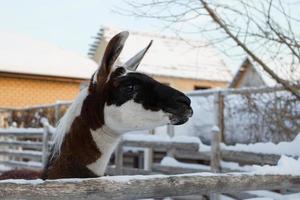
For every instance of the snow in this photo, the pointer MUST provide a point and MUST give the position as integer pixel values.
(223, 197)
(273, 195)
(169, 161)
(201, 123)
(236, 167)
(283, 148)
(21, 130)
(285, 165)
(22, 181)
(4, 168)
(169, 56)
(20, 54)
(243, 123)
(155, 138)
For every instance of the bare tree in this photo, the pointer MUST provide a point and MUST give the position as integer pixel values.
(264, 30)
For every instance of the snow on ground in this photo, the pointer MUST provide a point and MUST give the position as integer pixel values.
(286, 165)
(263, 194)
(169, 161)
(288, 148)
(283, 148)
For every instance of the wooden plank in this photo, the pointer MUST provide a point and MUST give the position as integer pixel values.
(148, 158)
(190, 197)
(241, 195)
(163, 145)
(250, 158)
(232, 156)
(23, 144)
(21, 165)
(113, 171)
(22, 132)
(163, 169)
(119, 158)
(215, 156)
(45, 149)
(137, 187)
(35, 155)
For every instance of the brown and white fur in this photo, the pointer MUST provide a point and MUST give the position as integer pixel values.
(117, 100)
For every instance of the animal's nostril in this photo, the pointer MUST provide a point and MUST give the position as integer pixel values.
(184, 100)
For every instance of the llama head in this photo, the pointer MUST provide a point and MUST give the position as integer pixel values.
(125, 100)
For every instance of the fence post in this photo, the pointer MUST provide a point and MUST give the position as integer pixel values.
(215, 157)
(171, 133)
(219, 107)
(217, 135)
(148, 155)
(119, 158)
(221, 117)
(45, 145)
(215, 150)
(56, 113)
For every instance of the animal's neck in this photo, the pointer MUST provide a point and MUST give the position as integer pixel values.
(106, 141)
(84, 152)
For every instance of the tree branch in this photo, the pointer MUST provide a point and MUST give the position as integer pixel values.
(217, 20)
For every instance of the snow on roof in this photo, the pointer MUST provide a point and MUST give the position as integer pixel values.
(170, 56)
(20, 54)
(288, 72)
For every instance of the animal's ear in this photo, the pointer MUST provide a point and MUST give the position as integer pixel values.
(112, 51)
(134, 62)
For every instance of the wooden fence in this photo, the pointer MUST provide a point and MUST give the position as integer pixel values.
(219, 105)
(139, 187)
(29, 144)
(135, 187)
(39, 149)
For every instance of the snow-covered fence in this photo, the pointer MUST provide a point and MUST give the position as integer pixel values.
(30, 116)
(36, 151)
(18, 143)
(138, 187)
(244, 115)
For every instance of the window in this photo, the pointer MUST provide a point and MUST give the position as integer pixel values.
(197, 87)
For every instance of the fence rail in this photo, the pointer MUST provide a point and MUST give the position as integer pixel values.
(22, 132)
(138, 187)
(162, 145)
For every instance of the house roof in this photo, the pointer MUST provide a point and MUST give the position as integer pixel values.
(286, 73)
(170, 56)
(242, 71)
(20, 54)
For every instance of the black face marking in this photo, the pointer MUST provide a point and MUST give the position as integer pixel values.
(148, 92)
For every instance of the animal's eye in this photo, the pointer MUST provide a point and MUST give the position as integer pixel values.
(130, 88)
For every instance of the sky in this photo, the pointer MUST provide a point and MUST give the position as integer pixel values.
(70, 24)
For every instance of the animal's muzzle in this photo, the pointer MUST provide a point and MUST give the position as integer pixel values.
(181, 117)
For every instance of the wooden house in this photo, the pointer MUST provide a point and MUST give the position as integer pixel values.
(181, 63)
(34, 72)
